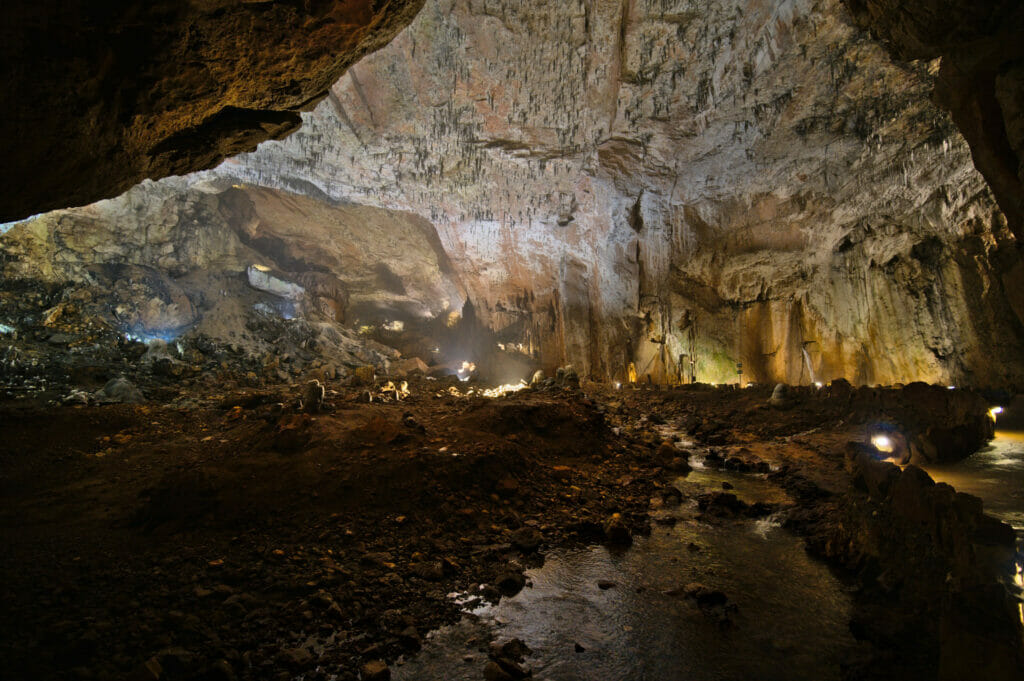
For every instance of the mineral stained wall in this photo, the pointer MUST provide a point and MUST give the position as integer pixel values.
(696, 188)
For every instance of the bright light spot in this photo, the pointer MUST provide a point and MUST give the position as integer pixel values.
(465, 371)
(994, 412)
(950, 387)
(261, 268)
(497, 391)
(4, 329)
(147, 339)
(400, 391)
(819, 384)
(618, 386)
(397, 325)
(882, 443)
(501, 346)
(436, 350)
(504, 389)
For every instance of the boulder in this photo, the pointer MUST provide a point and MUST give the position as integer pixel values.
(527, 539)
(119, 390)
(781, 398)
(617, 532)
(265, 279)
(408, 367)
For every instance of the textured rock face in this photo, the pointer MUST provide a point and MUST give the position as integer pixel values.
(981, 81)
(183, 249)
(100, 95)
(685, 186)
(737, 182)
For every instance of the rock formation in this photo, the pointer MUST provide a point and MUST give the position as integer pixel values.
(755, 183)
(97, 96)
(981, 80)
(694, 188)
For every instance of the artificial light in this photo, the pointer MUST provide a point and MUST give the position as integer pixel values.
(882, 443)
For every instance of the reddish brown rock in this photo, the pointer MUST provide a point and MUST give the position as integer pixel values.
(100, 95)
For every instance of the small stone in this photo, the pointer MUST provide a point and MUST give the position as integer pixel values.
(494, 672)
(430, 571)
(617, 532)
(507, 487)
(375, 670)
(148, 671)
(298, 657)
(119, 390)
(705, 596)
(526, 539)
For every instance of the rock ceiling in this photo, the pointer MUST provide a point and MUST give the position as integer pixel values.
(98, 95)
(660, 182)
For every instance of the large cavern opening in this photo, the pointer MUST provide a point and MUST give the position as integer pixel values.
(468, 339)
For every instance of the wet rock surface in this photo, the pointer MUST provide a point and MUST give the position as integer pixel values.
(196, 541)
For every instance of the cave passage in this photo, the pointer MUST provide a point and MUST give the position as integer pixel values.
(449, 339)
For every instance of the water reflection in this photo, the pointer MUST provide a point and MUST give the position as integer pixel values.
(790, 622)
(995, 473)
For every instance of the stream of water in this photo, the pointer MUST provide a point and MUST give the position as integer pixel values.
(790, 619)
(791, 614)
(996, 475)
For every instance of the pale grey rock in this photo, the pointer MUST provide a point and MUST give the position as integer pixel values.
(727, 182)
(263, 279)
(119, 391)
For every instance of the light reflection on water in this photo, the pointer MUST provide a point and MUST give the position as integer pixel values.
(791, 621)
(996, 475)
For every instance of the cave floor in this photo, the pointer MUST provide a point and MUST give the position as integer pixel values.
(243, 539)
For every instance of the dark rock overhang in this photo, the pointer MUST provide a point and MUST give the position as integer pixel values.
(99, 95)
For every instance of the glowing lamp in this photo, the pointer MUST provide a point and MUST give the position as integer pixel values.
(882, 443)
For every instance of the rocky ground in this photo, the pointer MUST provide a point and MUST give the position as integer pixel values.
(277, 532)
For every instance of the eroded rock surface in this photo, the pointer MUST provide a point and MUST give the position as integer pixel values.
(981, 81)
(736, 182)
(100, 95)
(683, 186)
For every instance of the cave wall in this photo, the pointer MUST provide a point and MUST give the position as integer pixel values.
(98, 95)
(755, 183)
(765, 166)
(168, 257)
(980, 82)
